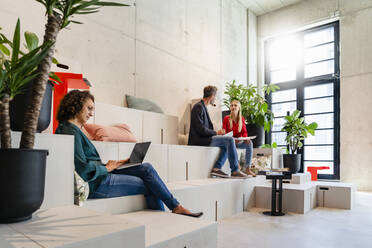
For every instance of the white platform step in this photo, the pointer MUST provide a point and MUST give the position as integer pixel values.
(217, 198)
(297, 198)
(72, 227)
(335, 194)
(167, 230)
(301, 198)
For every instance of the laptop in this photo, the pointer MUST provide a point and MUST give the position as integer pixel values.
(137, 156)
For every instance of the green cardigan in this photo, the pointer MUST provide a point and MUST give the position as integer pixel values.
(88, 164)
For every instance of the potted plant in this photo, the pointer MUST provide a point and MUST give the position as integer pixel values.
(22, 170)
(297, 130)
(255, 108)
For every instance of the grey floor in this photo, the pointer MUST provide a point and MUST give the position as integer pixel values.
(321, 227)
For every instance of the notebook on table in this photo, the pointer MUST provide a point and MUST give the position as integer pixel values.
(137, 156)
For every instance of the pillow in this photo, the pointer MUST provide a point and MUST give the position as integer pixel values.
(143, 104)
(261, 163)
(114, 133)
(81, 190)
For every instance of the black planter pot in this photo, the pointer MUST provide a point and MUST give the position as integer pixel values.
(292, 161)
(18, 107)
(22, 180)
(259, 132)
(225, 113)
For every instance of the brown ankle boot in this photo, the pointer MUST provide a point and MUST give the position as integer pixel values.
(249, 172)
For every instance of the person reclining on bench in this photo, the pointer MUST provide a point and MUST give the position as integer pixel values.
(104, 181)
(202, 134)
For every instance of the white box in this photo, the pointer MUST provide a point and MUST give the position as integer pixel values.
(300, 178)
(336, 195)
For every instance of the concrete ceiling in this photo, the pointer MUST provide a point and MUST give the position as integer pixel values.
(260, 7)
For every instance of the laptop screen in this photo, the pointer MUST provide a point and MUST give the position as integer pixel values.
(139, 152)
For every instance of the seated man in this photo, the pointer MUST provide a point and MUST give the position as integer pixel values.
(202, 134)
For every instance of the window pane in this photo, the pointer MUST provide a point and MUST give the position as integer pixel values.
(319, 53)
(283, 75)
(318, 152)
(319, 37)
(321, 137)
(319, 91)
(279, 138)
(319, 105)
(318, 164)
(324, 121)
(318, 69)
(280, 109)
(284, 53)
(278, 124)
(283, 95)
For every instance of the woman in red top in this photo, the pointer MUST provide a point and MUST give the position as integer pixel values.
(235, 122)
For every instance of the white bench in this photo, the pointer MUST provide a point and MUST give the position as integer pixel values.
(145, 125)
(301, 198)
(164, 230)
(72, 226)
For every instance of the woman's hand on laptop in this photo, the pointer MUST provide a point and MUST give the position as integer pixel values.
(113, 164)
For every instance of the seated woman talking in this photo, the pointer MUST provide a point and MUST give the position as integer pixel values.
(104, 181)
(235, 122)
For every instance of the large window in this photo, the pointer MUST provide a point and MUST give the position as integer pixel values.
(306, 67)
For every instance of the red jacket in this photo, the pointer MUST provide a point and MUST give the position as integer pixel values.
(235, 127)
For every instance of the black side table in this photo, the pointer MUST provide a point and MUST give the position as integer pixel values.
(276, 177)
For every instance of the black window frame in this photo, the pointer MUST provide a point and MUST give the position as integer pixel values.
(301, 82)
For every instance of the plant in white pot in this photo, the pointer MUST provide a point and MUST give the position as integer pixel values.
(22, 170)
(297, 130)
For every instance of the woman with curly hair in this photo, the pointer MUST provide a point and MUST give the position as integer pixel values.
(104, 181)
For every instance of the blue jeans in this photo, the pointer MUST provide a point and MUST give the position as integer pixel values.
(228, 150)
(142, 179)
(248, 152)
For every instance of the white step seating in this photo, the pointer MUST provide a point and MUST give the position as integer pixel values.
(217, 198)
(73, 227)
(145, 125)
(297, 198)
(301, 198)
(165, 230)
(59, 176)
(185, 169)
(335, 194)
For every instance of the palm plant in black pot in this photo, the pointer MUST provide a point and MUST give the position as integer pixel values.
(255, 108)
(22, 170)
(297, 130)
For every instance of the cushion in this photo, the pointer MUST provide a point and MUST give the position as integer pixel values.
(81, 190)
(143, 104)
(261, 163)
(114, 133)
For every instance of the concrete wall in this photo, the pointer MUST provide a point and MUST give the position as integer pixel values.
(356, 73)
(165, 50)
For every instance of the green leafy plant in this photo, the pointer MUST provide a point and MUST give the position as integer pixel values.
(273, 145)
(17, 69)
(297, 130)
(60, 14)
(255, 108)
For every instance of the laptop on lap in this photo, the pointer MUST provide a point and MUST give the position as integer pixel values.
(137, 156)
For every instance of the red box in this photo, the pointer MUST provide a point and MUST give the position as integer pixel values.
(70, 81)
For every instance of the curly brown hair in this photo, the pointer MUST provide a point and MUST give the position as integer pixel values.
(72, 104)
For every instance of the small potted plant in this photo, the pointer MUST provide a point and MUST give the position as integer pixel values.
(255, 108)
(297, 130)
(22, 170)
